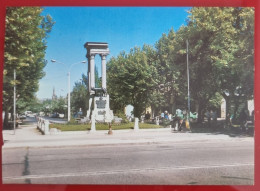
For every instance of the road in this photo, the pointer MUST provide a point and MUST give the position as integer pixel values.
(227, 162)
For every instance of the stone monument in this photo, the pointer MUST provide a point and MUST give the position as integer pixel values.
(98, 110)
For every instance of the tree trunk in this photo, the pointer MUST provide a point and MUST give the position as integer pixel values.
(6, 117)
(200, 113)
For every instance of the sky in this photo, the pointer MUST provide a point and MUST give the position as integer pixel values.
(122, 28)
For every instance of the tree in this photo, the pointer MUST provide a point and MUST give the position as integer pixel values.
(221, 52)
(214, 42)
(168, 67)
(131, 80)
(79, 96)
(58, 105)
(25, 45)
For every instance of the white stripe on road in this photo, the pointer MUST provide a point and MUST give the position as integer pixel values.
(121, 171)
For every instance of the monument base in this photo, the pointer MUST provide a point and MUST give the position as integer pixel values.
(101, 112)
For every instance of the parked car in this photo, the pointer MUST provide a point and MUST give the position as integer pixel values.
(54, 115)
(22, 116)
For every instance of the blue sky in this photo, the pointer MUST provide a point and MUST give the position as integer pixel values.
(121, 27)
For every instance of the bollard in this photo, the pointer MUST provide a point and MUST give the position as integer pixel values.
(93, 124)
(38, 122)
(41, 124)
(47, 127)
(142, 119)
(110, 129)
(177, 126)
(136, 127)
(157, 121)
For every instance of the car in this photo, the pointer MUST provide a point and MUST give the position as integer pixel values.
(54, 115)
(22, 116)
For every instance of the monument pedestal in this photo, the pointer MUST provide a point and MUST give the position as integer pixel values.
(101, 112)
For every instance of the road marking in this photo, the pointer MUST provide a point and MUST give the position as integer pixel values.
(93, 173)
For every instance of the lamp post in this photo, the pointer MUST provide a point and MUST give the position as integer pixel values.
(68, 83)
(14, 100)
(188, 79)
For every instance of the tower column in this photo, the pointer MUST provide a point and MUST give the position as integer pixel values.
(104, 73)
(92, 72)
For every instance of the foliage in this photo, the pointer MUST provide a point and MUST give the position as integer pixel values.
(213, 54)
(34, 105)
(25, 45)
(79, 96)
(169, 88)
(59, 105)
(131, 80)
(221, 52)
(122, 116)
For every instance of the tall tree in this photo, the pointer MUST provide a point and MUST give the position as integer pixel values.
(79, 96)
(25, 45)
(170, 79)
(131, 80)
(214, 41)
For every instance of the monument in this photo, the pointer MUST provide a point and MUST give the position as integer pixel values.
(98, 110)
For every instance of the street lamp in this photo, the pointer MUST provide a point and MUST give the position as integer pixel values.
(52, 60)
(14, 100)
(188, 79)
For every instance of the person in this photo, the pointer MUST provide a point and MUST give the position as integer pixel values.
(253, 117)
(166, 115)
(147, 115)
(177, 123)
(243, 117)
(162, 115)
(228, 121)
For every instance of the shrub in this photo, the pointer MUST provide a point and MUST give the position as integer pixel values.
(123, 116)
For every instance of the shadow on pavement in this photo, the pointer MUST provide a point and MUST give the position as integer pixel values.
(219, 128)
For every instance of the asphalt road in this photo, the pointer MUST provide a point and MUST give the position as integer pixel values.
(230, 162)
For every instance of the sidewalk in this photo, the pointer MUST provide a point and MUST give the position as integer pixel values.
(29, 136)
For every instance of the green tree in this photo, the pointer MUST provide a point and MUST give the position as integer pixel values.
(79, 96)
(214, 40)
(131, 80)
(58, 105)
(35, 105)
(25, 45)
(168, 68)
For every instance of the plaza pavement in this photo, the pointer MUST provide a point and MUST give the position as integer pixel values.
(30, 136)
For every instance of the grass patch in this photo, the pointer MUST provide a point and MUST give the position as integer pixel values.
(100, 126)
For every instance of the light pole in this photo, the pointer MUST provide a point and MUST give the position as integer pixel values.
(68, 82)
(14, 100)
(188, 80)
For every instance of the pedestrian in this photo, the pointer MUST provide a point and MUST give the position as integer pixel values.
(253, 116)
(243, 117)
(228, 122)
(166, 115)
(147, 115)
(162, 115)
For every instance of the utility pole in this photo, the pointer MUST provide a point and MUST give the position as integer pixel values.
(14, 101)
(68, 96)
(188, 79)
